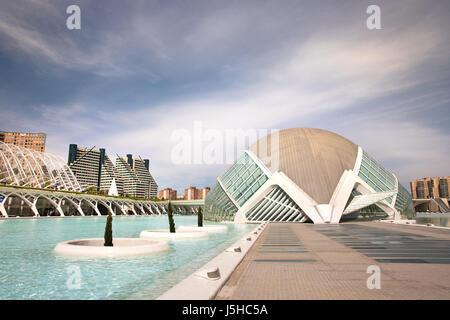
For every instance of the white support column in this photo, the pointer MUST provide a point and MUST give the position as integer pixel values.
(133, 209)
(325, 211)
(33, 208)
(96, 209)
(2, 209)
(79, 209)
(341, 195)
(58, 207)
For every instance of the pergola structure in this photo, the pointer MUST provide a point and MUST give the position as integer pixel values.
(32, 176)
(29, 168)
(114, 205)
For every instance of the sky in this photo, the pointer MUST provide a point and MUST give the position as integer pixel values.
(138, 72)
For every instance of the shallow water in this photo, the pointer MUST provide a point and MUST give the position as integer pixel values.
(30, 270)
(440, 220)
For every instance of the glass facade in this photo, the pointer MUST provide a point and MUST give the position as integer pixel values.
(246, 176)
(243, 179)
(218, 206)
(375, 175)
(382, 180)
(404, 204)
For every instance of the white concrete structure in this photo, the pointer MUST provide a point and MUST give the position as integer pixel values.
(178, 235)
(80, 201)
(207, 228)
(113, 189)
(319, 176)
(122, 247)
(29, 168)
(211, 277)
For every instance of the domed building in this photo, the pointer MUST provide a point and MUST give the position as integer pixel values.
(306, 175)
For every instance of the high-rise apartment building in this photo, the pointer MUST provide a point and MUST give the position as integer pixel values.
(109, 174)
(192, 193)
(203, 192)
(34, 141)
(86, 165)
(136, 178)
(430, 188)
(167, 194)
(93, 168)
(431, 194)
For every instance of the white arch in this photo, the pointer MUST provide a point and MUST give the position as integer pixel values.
(77, 206)
(88, 201)
(25, 167)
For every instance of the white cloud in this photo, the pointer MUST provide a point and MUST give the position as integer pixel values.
(299, 80)
(409, 150)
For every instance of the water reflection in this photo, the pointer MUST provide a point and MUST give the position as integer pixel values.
(440, 220)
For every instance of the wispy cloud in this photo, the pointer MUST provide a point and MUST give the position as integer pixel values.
(164, 66)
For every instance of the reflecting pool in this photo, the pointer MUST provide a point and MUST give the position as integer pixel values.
(30, 270)
(440, 220)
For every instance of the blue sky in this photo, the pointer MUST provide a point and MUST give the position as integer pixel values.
(139, 70)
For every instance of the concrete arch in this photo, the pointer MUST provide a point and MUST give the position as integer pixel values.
(130, 205)
(106, 205)
(77, 206)
(30, 204)
(143, 209)
(52, 202)
(92, 205)
(120, 206)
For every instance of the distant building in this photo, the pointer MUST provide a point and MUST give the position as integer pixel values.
(108, 175)
(94, 169)
(431, 194)
(430, 188)
(167, 194)
(33, 141)
(136, 177)
(192, 193)
(86, 164)
(204, 192)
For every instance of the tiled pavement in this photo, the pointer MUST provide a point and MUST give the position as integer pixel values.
(304, 261)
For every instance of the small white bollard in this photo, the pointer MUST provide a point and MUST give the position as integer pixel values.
(212, 273)
(234, 249)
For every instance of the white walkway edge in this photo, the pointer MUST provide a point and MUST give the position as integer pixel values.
(196, 287)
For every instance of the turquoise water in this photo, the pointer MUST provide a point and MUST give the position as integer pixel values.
(441, 220)
(30, 270)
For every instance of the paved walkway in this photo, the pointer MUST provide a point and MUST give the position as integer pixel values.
(305, 261)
